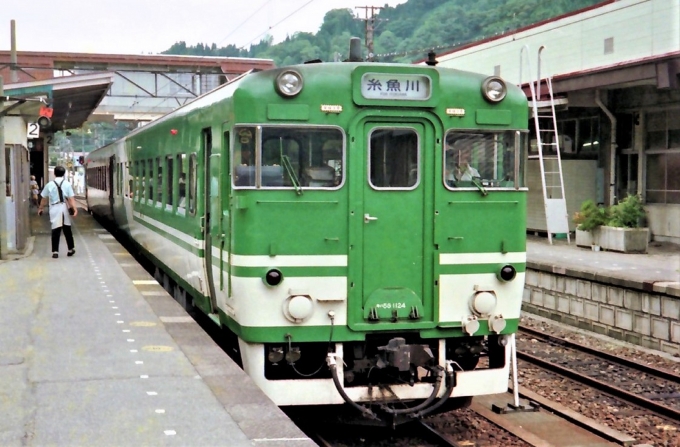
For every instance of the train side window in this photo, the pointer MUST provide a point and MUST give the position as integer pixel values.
(120, 182)
(169, 181)
(182, 169)
(143, 181)
(159, 179)
(244, 156)
(478, 157)
(394, 159)
(192, 184)
(149, 180)
(134, 180)
(131, 169)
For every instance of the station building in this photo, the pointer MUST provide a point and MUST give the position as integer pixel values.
(615, 70)
(76, 88)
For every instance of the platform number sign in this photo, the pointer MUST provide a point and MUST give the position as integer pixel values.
(33, 131)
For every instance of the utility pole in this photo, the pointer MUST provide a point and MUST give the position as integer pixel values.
(370, 27)
(13, 65)
(3, 179)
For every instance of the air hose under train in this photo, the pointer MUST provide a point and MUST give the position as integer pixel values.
(418, 411)
(332, 365)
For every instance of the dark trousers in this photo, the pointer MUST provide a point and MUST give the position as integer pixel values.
(56, 234)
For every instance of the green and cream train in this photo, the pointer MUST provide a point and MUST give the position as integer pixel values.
(360, 227)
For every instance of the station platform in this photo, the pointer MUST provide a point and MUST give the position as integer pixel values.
(658, 270)
(94, 352)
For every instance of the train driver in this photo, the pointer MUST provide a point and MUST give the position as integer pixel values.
(458, 165)
(465, 171)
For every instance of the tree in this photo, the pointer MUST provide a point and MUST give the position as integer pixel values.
(409, 29)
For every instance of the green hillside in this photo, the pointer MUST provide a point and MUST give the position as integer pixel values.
(402, 34)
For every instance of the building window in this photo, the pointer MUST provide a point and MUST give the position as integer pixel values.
(579, 138)
(662, 151)
(663, 178)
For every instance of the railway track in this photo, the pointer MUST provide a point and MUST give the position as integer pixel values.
(647, 387)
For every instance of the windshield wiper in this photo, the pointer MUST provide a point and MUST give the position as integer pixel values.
(287, 165)
(478, 184)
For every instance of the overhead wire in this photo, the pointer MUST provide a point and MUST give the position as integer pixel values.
(244, 22)
(149, 113)
(278, 23)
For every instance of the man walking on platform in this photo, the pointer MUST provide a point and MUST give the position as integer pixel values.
(59, 194)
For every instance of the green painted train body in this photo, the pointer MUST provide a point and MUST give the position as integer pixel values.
(344, 220)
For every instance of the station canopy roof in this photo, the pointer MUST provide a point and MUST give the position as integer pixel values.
(72, 99)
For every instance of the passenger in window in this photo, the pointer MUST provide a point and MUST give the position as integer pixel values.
(465, 171)
(182, 190)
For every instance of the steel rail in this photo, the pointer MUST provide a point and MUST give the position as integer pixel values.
(602, 386)
(651, 370)
(433, 435)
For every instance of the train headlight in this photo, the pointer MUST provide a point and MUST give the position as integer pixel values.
(298, 308)
(289, 83)
(507, 273)
(483, 303)
(273, 277)
(494, 89)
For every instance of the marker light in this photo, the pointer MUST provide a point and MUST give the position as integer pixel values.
(273, 277)
(494, 89)
(173, 131)
(289, 83)
(507, 273)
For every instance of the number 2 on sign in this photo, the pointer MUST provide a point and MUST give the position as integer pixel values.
(33, 131)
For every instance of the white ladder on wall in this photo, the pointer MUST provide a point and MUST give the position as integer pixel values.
(548, 146)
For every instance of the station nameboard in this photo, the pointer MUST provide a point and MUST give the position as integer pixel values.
(394, 86)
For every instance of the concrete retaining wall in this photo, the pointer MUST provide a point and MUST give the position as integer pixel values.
(647, 318)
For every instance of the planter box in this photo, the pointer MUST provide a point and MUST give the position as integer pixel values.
(626, 240)
(584, 238)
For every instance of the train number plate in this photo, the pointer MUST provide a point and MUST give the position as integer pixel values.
(391, 305)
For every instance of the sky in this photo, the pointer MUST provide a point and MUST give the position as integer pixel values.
(152, 26)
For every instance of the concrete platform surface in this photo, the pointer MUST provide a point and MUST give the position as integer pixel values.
(93, 352)
(658, 270)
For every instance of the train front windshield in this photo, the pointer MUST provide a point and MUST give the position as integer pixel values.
(486, 158)
(288, 157)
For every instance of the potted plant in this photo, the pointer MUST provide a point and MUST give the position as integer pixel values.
(617, 228)
(588, 220)
(623, 230)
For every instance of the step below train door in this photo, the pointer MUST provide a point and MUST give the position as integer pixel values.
(395, 229)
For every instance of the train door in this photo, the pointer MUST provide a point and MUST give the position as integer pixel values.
(224, 270)
(211, 209)
(111, 179)
(396, 224)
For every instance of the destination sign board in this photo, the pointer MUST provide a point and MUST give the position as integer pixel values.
(396, 86)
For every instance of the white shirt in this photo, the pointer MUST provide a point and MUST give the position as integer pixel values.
(59, 215)
(468, 174)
